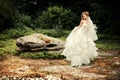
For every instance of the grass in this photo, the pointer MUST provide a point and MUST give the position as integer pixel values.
(109, 42)
(43, 55)
(9, 45)
(110, 45)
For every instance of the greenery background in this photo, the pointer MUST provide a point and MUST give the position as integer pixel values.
(49, 13)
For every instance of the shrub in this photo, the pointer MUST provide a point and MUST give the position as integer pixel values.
(53, 32)
(16, 32)
(21, 27)
(56, 17)
(8, 46)
(22, 20)
(4, 36)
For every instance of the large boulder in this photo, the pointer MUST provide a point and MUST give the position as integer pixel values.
(39, 42)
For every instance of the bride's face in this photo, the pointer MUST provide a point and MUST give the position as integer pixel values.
(84, 16)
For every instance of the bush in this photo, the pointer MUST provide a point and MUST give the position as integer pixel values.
(4, 36)
(21, 27)
(8, 46)
(6, 14)
(56, 18)
(16, 32)
(53, 32)
(22, 20)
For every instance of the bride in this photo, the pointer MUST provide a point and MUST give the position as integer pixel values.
(80, 47)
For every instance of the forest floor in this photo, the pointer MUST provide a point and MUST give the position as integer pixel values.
(105, 67)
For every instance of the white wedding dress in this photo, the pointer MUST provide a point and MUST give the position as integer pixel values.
(80, 47)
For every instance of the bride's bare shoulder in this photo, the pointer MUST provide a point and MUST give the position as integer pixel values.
(83, 21)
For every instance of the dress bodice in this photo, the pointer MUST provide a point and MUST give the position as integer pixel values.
(84, 29)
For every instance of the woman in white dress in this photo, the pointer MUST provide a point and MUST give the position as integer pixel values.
(80, 47)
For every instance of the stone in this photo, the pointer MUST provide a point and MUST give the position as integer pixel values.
(39, 42)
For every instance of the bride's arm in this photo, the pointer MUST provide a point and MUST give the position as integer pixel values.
(81, 22)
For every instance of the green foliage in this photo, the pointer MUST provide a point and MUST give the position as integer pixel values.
(106, 41)
(22, 26)
(1, 52)
(108, 45)
(43, 55)
(101, 12)
(8, 46)
(56, 17)
(53, 32)
(4, 36)
(101, 18)
(16, 32)
(6, 14)
(22, 20)
(108, 37)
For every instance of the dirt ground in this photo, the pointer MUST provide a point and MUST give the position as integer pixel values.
(105, 67)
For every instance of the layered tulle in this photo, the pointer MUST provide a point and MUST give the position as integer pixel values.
(80, 47)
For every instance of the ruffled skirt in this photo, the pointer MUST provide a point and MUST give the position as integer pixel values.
(79, 48)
